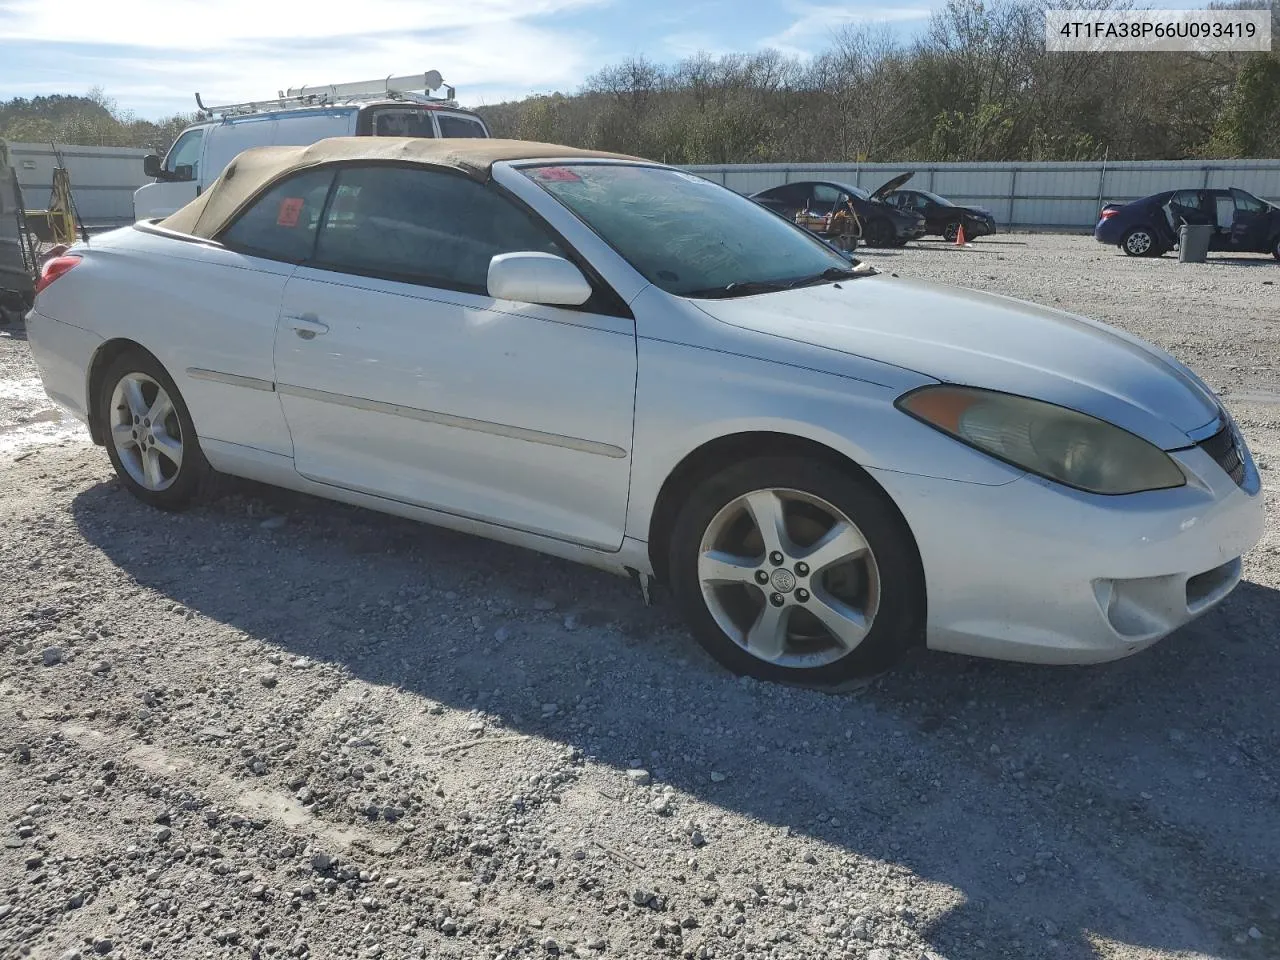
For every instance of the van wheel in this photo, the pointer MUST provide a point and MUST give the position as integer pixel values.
(148, 432)
(791, 569)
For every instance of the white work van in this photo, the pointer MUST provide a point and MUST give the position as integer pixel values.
(391, 107)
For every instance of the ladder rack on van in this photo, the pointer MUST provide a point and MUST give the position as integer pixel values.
(414, 88)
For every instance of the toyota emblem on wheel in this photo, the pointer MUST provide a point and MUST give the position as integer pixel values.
(784, 581)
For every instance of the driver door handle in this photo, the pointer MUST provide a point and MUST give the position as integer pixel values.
(307, 326)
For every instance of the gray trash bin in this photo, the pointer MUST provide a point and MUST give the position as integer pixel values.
(1193, 242)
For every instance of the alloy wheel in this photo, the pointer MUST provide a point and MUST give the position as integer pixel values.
(146, 432)
(789, 578)
(1138, 243)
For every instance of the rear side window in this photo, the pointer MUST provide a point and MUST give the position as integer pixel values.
(402, 122)
(423, 226)
(281, 224)
(1248, 202)
(455, 126)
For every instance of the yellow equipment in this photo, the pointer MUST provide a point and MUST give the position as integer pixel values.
(62, 210)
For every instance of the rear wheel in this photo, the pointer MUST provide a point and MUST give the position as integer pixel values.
(790, 569)
(1139, 242)
(1275, 247)
(148, 432)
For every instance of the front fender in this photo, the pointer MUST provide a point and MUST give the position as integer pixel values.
(687, 397)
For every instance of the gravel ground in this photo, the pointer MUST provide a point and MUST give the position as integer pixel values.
(276, 726)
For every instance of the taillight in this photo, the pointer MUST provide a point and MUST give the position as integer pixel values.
(53, 269)
(1108, 214)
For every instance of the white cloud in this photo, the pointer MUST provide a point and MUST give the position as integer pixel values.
(815, 24)
(244, 49)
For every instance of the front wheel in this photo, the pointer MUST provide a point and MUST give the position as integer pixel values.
(951, 231)
(148, 432)
(793, 570)
(879, 233)
(1275, 248)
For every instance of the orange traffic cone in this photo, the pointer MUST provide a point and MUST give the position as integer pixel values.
(960, 235)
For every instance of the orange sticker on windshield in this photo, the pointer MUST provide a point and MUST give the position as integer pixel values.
(290, 209)
(563, 174)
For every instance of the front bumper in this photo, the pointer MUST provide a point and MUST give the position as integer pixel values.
(910, 231)
(1035, 572)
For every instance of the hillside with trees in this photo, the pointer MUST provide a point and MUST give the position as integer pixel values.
(977, 85)
(91, 119)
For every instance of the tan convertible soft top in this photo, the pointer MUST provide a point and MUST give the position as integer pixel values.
(249, 172)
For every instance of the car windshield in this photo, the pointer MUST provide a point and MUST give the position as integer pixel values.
(941, 201)
(687, 235)
(854, 191)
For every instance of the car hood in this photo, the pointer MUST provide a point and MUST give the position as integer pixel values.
(886, 188)
(980, 212)
(979, 339)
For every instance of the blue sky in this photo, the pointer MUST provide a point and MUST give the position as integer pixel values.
(151, 55)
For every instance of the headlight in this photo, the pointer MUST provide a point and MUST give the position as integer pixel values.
(1054, 442)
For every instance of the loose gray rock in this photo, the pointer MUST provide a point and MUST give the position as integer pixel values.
(639, 777)
(51, 656)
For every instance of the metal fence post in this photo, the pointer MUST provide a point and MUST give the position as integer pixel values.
(1013, 192)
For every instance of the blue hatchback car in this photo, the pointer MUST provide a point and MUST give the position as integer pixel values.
(1149, 227)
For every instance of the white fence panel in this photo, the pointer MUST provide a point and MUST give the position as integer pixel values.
(1065, 195)
(102, 179)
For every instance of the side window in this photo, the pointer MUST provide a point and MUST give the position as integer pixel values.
(186, 152)
(423, 226)
(455, 126)
(281, 224)
(825, 193)
(403, 122)
(1247, 202)
(790, 194)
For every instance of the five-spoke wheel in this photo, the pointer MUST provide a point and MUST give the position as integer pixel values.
(796, 569)
(146, 431)
(144, 423)
(789, 577)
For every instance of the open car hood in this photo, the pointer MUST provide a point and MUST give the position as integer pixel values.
(886, 188)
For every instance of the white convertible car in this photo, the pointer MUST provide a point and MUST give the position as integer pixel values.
(620, 363)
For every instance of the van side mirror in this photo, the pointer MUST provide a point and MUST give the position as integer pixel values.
(533, 277)
(151, 166)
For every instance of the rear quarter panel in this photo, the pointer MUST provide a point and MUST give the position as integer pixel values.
(192, 306)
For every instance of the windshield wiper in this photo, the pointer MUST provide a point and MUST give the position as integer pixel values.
(747, 288)
(740, 288)
(828, 275)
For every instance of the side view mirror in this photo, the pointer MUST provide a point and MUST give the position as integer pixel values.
(532, 277)
(151, 166)
(184, 172)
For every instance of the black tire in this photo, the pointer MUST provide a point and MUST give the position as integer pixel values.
(1141, 242)
(186, 480)
(951, 231)
(898, 623)
(1275, 246)
(878, 233)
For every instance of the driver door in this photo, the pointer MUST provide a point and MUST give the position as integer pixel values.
(401, 377)
(1251, 227)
